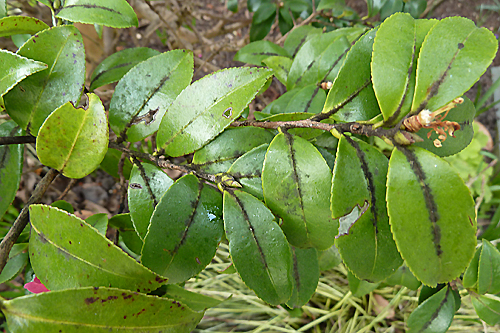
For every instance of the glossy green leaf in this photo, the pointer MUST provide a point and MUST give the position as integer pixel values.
(11, 166)
(296, 181)
(98, 310)
(185, 230)
(74, 141)
(280, 65)
(297, 37)
(469, 279)
(123, 222)
(207, 107)
(308, 99)
(392, 60)
(114, 67)
(14, 68)
(263, 12)
(258, 247)
(194, 301)
(15, 25)
(487, 308)
(99, 222)
(260, 30)
(321, 57)
(374, 6)
(218, 155)
(255, 52)
(305, 276)
(247, 170)
(82, 255)
(435, 314)
(403, 277)
(454, 55)
(18, 258)
(415, 7)
(488, 278)
(464, 115)
(232, 5)
(31, 101)
(358, 287)
(351, 97)
(140, 202)
(140, 113)
(63, 205)
(365, 244)
(111, 161)
(428, 205)
(115, 14)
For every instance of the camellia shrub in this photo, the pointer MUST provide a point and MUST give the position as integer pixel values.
(300, 181)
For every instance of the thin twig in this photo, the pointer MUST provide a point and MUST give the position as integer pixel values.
(17, 140)
(22, 220)
(67, 189)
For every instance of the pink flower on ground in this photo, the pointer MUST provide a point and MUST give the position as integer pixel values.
(36, 286)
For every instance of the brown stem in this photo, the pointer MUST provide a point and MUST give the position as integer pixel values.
(17, 140)
(22, 220)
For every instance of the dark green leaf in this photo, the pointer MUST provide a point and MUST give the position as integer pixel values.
(123, 222)
(351, 97)
(30, 102)
(435, 314)
(487, 308)
(365, 243)
(140, 113)
(185, 230)
(296, 181)
(18, 258)
(260, 30)
(305, 276)
(83, 257)
(98, 310)
(74, 141)
(415, 7)
(205, 108)
(374, 6)
(429, 205)
(454, 55)
(116, 14)
(63, 205)
(14, 68)
(258, 247)
(140, 200)
(114, 67)
(247, 170)
(232, 5)
(11, 166)
(15, 25)
(469, 279)
(111, 161)
(488, 278)
(255, 52)
(464, 115)
(390, 7)
(218, 155)
(285, 20)
(264, 12)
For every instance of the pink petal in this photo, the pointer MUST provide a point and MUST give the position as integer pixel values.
(36, 286)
